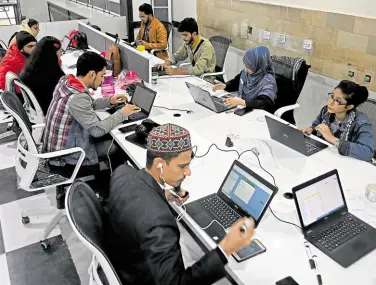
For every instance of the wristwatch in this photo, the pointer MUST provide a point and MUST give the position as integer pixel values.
(336, 143)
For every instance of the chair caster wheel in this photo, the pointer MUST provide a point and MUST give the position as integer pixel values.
(25, 220)
(45, 245)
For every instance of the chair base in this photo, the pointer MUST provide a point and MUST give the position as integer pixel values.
(52, 224)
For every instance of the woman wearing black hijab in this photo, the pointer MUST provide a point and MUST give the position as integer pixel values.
(42, 71)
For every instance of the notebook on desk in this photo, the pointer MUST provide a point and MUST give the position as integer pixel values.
(327, 223)
(242, 194)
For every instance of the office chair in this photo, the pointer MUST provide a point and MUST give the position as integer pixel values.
(86, 216)
(168, 27)
(32, 167)
(369, 109)
(221, 45)
(290, 74)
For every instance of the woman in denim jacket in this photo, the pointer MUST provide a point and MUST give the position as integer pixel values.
(342, 125)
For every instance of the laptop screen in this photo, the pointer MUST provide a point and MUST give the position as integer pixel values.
(318, 200)
(65, 43)
(247, 192)
(143, 97)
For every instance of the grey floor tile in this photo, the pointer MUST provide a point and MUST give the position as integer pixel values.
(31, 265)
(8, 187)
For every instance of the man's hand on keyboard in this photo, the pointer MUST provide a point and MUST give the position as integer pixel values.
(118, 99)
(129, 109)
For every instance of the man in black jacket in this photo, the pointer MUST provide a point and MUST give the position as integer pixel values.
(143, 236)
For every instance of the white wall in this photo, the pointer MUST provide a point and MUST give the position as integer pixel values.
(184, 8)
(362, 8)
(36, 9)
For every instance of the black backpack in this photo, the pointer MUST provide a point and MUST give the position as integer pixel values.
(81, 41)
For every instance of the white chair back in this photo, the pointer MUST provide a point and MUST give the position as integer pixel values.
(26, 161)
(85, 214)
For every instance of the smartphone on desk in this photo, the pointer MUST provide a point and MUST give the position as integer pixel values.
(243, 111)
(128, 129)
(255, 248)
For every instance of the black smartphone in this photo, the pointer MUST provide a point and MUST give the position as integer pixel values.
(287, 281)
(128, 129)
(242, 112)
(255, 248)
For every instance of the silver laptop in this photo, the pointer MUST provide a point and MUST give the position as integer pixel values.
(204, 98)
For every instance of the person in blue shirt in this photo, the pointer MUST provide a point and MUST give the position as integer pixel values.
(341, 124)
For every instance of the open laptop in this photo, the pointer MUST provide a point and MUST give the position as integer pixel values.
(326, 222)
(242, 194)
(204, 98)
(143, 97)
(293, 138)
(65, 44)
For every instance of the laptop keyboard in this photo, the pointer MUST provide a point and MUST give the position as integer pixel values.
(223, 212)
(311, 148)
(340, 233)
(219, 105)
(137, 116)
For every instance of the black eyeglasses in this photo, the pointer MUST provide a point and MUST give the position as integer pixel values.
(335, 100)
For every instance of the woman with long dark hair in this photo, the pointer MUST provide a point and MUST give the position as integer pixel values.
(42, 71)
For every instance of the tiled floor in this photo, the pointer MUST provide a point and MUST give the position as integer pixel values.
(22, 260)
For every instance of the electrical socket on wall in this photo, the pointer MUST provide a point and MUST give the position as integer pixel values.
(281, 38)
(249, 30)
(266, 35)
(367, 78)
(351, 74)
(308, 44)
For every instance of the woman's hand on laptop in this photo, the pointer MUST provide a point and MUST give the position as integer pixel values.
(234, 101)
(118, 99)
(307, 131)
(236, 239)
(129, 109)
(218, 87)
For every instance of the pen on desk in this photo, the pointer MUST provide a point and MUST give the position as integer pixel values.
(319, 278)
(309, 255)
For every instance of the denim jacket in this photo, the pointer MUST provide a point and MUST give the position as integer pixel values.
(360, 143)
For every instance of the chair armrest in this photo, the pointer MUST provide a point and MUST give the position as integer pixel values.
(283, 110)
(212, 74)
(38, 126)
(65, 152)
(184, 64)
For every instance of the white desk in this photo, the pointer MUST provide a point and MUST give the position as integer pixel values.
(285, 251)
(79, 9)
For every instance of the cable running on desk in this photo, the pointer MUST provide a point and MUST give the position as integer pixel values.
(259, 162)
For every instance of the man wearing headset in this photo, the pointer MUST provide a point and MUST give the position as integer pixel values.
(143, 235)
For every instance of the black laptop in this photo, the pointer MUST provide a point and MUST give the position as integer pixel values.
(293, 138)
(326, 222)
(242, 194)
(204, 98)
(143, 97)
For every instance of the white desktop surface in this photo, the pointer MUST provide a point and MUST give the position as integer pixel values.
(285, 255)
(79, 9)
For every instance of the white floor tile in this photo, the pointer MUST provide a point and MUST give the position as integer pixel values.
(8, 153)
(17, 235)
(4, 273)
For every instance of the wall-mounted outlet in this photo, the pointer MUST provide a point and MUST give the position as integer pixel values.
(308, 44)
(266, 35)
(351, 74)
(281, 38)
(249, 30)
(367, 78)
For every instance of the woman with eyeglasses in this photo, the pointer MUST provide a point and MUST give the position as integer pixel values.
(341, 124)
